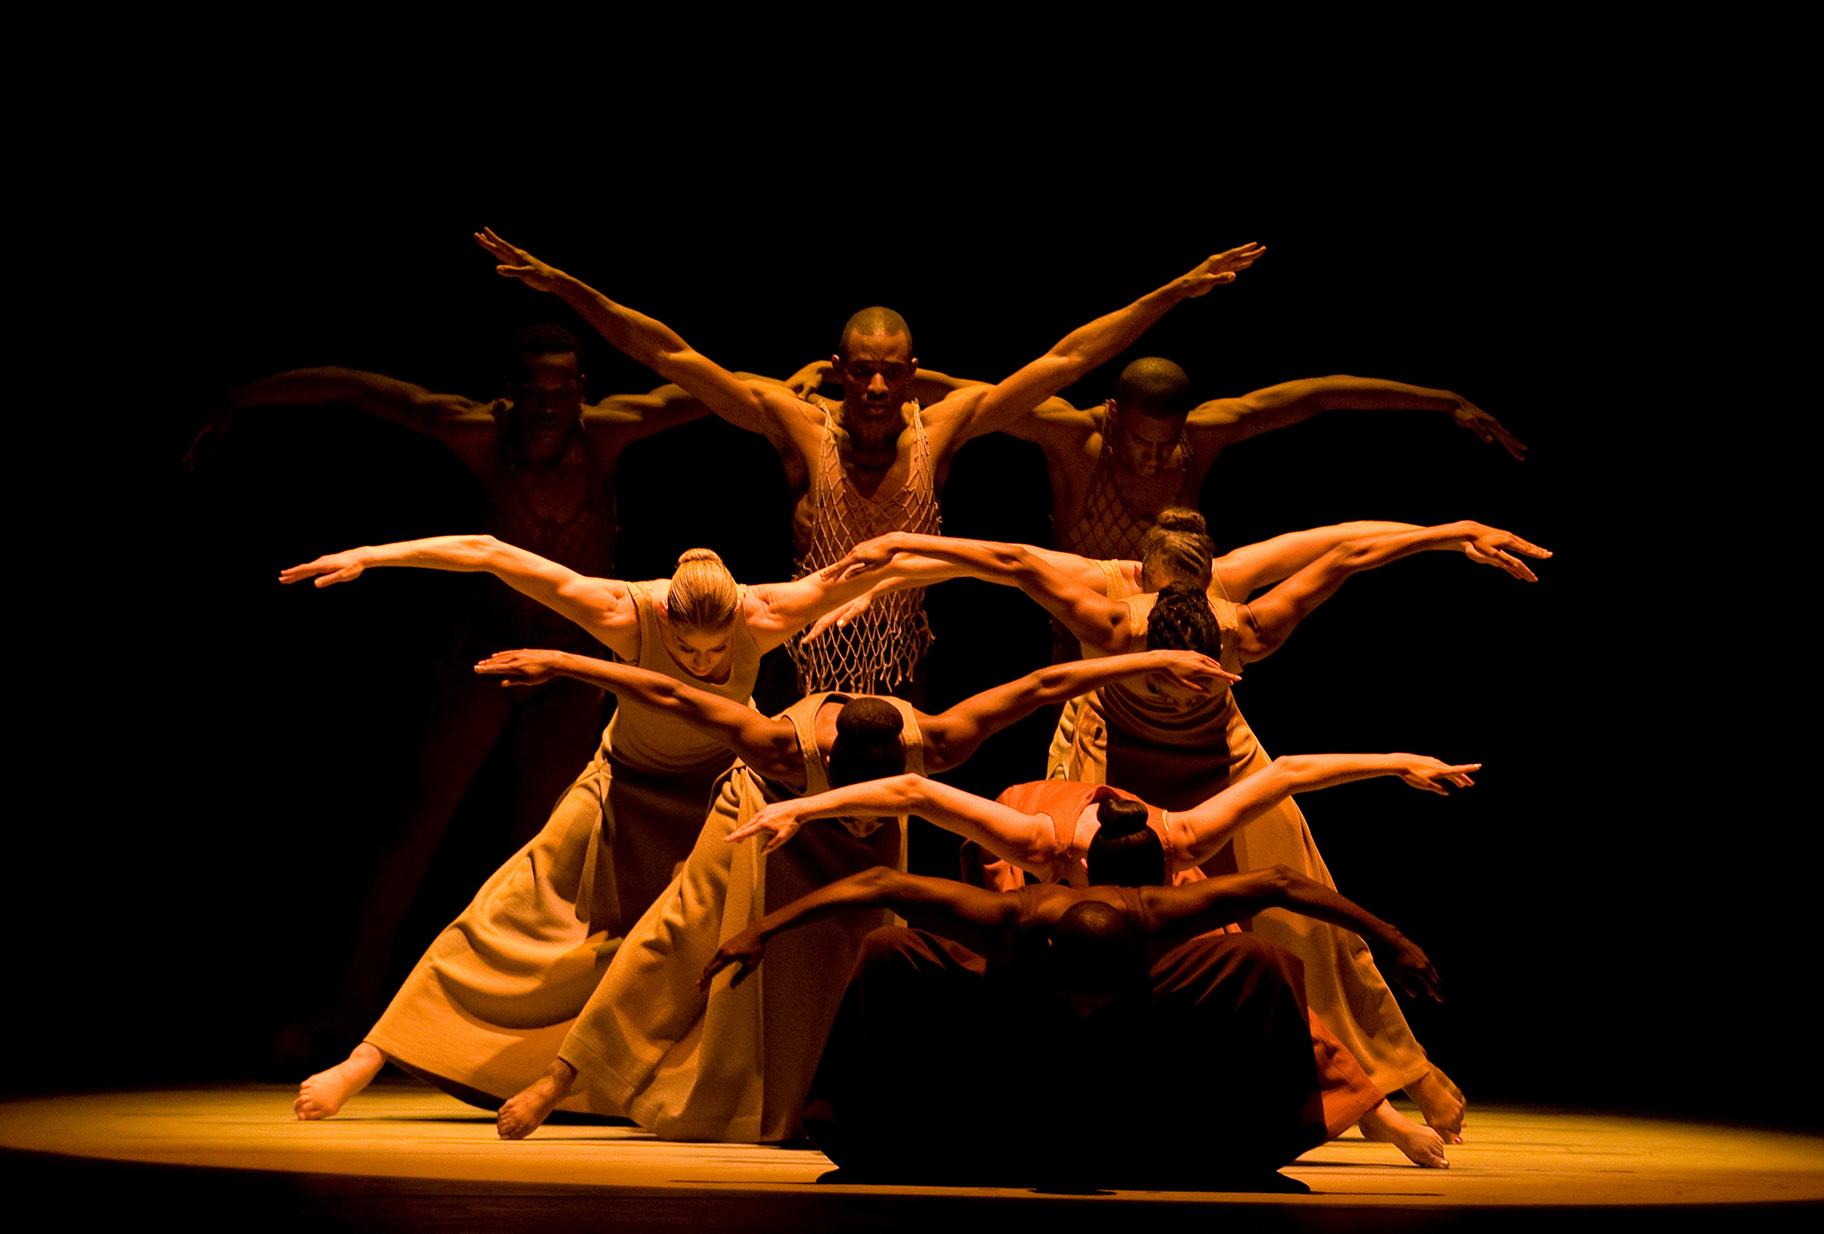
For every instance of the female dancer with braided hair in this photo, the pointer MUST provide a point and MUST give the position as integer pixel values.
(1178, 750)
(488, 1004)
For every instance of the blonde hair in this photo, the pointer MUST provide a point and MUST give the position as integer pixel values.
(703, 595)
(1177, 549)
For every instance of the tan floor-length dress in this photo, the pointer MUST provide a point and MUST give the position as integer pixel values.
(487, 1006)
(1176, 757)
(735, 1063)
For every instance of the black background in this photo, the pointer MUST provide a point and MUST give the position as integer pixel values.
(1616, 907)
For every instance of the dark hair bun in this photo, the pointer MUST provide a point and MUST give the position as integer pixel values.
(1120, 817)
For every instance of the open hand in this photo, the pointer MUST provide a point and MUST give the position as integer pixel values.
(810, 379)
(864, 558)
(522, 668)
(776, 822)
(840, 616)
(1433, 774)
(1195, 670)
(516, 263)
(746, 949)
(1222, 268)
(329, 569)
(1488, 428)
(1413, 969)
(1493, 547)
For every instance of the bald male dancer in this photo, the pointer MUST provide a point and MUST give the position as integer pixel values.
(874, 463)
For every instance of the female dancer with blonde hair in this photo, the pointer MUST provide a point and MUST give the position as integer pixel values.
(1176, 749)
(489, 1002)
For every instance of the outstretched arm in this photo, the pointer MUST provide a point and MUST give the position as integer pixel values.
(1086, 348)
(939, 903)
(1220, 422)
(1268, 621)
(387, 397)
(1030, 841)
(760, 406)
(1185, 911)
(1198, 832)
(769, 746)
(953, 736)
(599, 605)
(1245, 570)
(1069, 587)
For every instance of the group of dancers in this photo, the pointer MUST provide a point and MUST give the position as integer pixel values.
(1143, 973)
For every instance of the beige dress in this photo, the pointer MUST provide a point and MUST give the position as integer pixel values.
(733, 1064)
(1175, 757)
(488, 1005)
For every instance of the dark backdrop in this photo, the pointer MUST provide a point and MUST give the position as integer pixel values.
(1610, 934)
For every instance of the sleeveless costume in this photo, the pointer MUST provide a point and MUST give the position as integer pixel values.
(883, 646)
(490, 1001)
(733, 1064)
(1108, 527)
(1180, 756)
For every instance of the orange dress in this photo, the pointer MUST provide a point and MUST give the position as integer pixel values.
(491, 1000)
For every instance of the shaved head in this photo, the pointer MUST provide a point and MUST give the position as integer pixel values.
(874, 320)
(1155, 387)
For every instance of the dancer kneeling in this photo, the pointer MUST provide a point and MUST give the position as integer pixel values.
(734, 1065)
(1079, 988)
(1089, 834)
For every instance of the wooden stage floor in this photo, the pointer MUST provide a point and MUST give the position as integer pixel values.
(409, 1157)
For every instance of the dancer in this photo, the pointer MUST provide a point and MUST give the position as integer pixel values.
(545, 460)
(876, 462)
(490, 1000)
(1051, 828)
(1179, 750)
(734, 1066)
(1080, 989)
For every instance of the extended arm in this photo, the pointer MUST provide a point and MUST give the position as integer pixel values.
(939, 903)
(1268, 621)
(1185, 911)
(1092, 345)
(954, 735)
(1197, 833)
(1030, 841)
(1069, 587)
(769, 746)
(760, 406)
(599, 605)
(387, 397)
(1220, 422)
(1245, 570)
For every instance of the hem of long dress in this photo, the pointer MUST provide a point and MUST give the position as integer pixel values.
(602, 1080)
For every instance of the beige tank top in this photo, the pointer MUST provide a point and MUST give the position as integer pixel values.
(656, 741)
(803, 717)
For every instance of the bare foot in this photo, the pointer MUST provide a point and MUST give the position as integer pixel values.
(327, 1091)
(1421, 1144)
(1441, 1105)
(532, 1105)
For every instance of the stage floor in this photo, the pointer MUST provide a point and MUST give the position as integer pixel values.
(408, 1155)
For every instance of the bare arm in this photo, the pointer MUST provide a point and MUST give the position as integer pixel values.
(387, 397)
(759, 406)
(1245, 570)
(776, 611)
(1268, 621)
(1199, 832)
(1069, 587)
(1220, 422)
(1195, 907)
(599, 605)
(1090, 346)
(939, 903)
(953, 736)
(1030, 841)
(769, 746)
